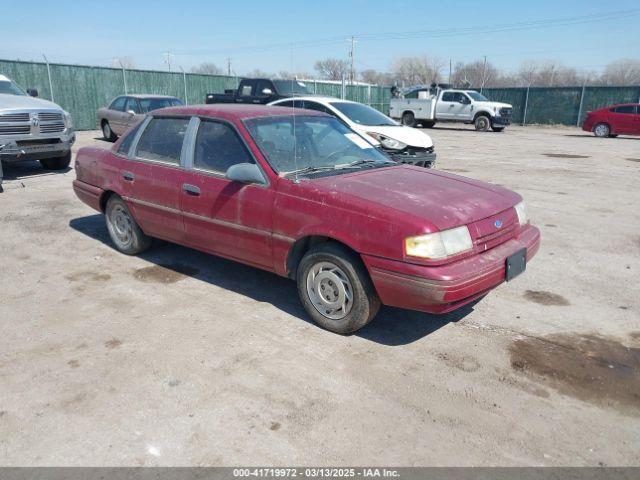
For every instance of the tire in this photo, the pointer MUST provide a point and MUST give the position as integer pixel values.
(107, 133)
(428, 124)
(57, 163)
(497, 129)
(409, 119)
(482, 123)
(125, 233)
(332, 269)
(602, 130)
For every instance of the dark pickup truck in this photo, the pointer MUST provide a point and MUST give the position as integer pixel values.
(259, 90)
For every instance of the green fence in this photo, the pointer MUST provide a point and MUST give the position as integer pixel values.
(81, 90)
(560, 105)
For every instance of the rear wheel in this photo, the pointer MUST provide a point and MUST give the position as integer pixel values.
(107, 133)
(335, 289)
(601, 130)
(123, 229)
(57, 163)
(482, 123)
(409, 119)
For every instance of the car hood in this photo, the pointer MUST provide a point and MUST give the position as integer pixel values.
(411, 136)
(425, 196)
(24, 102)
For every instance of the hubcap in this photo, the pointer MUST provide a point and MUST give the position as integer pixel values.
(106, 129)
(330, 290)
(482, 124)
(121, 225)
(601, 130)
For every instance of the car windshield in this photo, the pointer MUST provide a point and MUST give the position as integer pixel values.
(478, 97)
(319, 143)
(10, 88)
(363, 114)
(150, 104)
(291, 87)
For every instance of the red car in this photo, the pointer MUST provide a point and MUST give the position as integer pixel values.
(614, 120)
(299, 194)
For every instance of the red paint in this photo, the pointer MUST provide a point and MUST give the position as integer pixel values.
(619, 123)
(370, 211)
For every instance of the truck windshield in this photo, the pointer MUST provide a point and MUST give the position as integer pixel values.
(307, 144)
(10, 88)
(291, 87)
(478, 97)
(363, 114)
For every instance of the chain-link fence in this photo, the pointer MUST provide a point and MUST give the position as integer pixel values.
(82, 90)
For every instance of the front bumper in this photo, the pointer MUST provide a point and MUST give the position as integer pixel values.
(36, 149)
(425, 158)
(445, 288)
(501, 121)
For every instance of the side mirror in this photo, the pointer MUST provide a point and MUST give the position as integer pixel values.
(245, 173)
(32, 92)
(267, 91)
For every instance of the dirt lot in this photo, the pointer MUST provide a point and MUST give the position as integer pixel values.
(179, 358)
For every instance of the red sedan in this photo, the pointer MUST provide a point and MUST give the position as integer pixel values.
(299, 194)
(614, 120)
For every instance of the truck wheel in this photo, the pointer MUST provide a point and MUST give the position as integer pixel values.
(335, 289)
(428, 124)
(497, 129)
(601, 130)
(408, 119)
(482, 123)
(57, 163)
(107, 133)
(123, 229)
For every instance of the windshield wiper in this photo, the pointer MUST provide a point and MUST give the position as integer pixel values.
(364, 161)
(311, 169)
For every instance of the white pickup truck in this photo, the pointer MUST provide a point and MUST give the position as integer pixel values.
(428, 105)
(33, 129)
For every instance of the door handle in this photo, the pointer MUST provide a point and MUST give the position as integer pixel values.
(451, 106)
(128, 176)
(190, 189)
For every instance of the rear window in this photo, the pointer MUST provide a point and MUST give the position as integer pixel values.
(162, 140)
(150, 104)
(625, 109)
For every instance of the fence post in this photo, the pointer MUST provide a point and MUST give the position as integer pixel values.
(526, 104)
(49, 75)
(315, 86)
(184, 80)
(581, 103)
(369, 95)
(124, 77)
(344, 88)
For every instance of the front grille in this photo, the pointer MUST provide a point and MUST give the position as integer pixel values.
(52, 128)
(506, 112)
(40, 141)
(421, 157)
(15, 129)
(50, 117)
(14, 117)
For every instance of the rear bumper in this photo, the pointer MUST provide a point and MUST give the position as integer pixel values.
(445, 288)
(88, 194)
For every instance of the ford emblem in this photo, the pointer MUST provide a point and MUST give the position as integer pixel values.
(498, 223)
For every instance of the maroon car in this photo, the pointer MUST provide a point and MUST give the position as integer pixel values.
(299, 194)
(623, 119)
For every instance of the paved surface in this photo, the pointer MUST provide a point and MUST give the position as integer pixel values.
(179, 358)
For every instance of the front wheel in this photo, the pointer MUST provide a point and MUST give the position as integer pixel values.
(601, 130)
(125, 233)
(409, 119)
(57, 163)
(482, 123)
(335, 289)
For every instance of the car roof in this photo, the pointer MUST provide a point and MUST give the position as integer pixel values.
(315, 98)
(146, 95)
(230, 111)
(4, 79)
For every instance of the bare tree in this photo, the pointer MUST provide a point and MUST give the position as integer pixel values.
(207, 68)
(124, 62)
(475, 74)
(331, 68)
(373, 76)
(417, 70)
(257, 73)
(625, 71)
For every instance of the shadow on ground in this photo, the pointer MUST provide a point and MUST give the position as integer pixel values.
(392, 326)
(27, 169)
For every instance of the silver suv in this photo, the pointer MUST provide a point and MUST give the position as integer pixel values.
(33, 129)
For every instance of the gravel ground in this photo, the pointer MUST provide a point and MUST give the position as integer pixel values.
(179, 358)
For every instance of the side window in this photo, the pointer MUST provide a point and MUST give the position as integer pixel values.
(317, 107)
(162, 140)
(118, 104)
(288, 104)
(625, 109)
(126, 142)
(413, 94)
(245, 89)
(448, 97)
(132, 104)
(218, 147)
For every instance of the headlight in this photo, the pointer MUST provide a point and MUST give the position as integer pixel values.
(388, 142)
(521, 210)
(68, 122)
(440, 244)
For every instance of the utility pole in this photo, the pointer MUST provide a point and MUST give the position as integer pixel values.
(229, 66)
(484, 71)
(352, 54)
(167, 59)
(449, 70)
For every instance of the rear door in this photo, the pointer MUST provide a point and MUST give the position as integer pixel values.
(623, 119)
(445, 107)
(155, 177)
(220, 216)
(636, 127)
(115, 115)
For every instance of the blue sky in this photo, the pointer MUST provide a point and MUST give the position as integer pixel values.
(291, 35)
